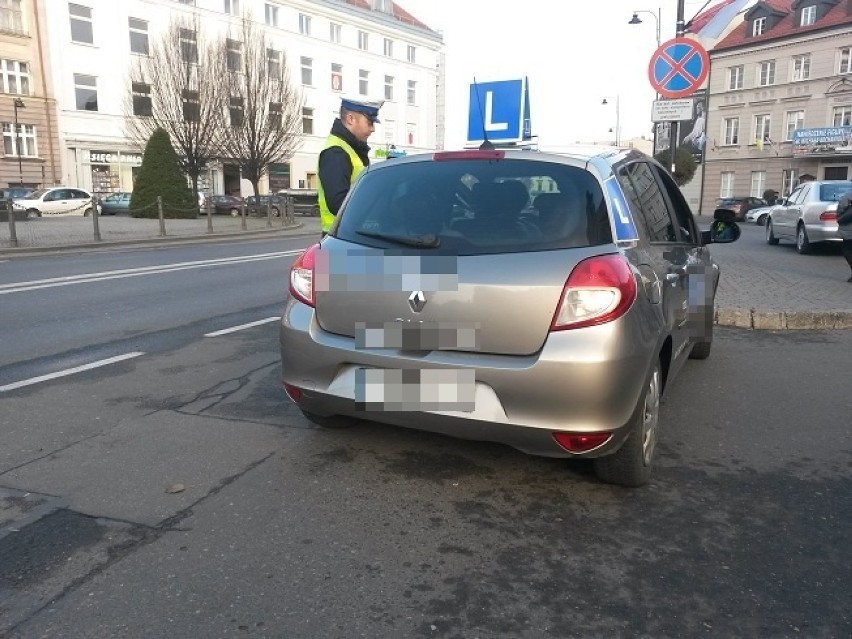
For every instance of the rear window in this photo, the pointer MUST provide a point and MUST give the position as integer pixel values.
(833, 192)
(471, 207)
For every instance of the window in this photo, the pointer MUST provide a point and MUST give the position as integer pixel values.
(761, 129)
(758, 26)
(274, 114)
(235, 54)
(363, 82)
(795, 120)
(304, 24)
(801, 67)
(389, 127)
(843, 116)
(808, 15)
(81, 24)
(188, 45)
(336, 77)
(271, 13)
(788, 179)
(642, 190)
(15, 77)
(191, 106)
(412, 92)
(411, 54)
(11, 16)
(388, 87)
(232, 7)
(758, 183)
(845, 61)
(389, 47)
(307, 121)
(334, 32)
(273, 62)
(307, 71)
(735, 77)
(23, 140)
(732, 131)
(138, 36)
(363, 40)
(141, 94)
(766, 73)
(236, 111)
(727, 187)
(86, 92)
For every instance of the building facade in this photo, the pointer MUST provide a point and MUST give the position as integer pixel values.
(27, 106)
(780, 100)
(371, 48)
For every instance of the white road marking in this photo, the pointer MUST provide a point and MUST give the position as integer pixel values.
(18, 287)
(234, 329)
(69, 371)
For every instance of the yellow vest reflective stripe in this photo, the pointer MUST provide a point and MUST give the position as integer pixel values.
(326, 216)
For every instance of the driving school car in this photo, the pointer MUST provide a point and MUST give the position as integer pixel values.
(539, 300)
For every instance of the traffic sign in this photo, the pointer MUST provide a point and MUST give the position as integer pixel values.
(672, 110)
(498, 110)
(678, 68)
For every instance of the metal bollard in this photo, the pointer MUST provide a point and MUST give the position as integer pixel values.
(209, 214)
(13, 234)
(160, 214)
(97, 228)
(269, 212)
(291, 210)
(243, 215)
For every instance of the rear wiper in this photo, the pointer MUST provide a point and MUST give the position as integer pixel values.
(422, 241)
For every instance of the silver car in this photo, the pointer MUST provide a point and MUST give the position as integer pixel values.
(808, 216)
(544, 301)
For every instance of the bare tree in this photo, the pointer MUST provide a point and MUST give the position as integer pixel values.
(178, 87)
(264, 109)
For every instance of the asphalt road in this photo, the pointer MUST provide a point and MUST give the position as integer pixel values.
(179, 493)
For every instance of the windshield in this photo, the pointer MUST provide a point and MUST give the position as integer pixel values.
(35, 194)
(472, 207)
(832, 192)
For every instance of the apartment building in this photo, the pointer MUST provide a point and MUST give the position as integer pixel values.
(780, 100)
(27, 105)
(372, 48)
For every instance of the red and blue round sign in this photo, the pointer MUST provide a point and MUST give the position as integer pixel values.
(678, 68)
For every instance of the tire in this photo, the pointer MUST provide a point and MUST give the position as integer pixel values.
(315, 211)
(33, 213)
(803, 244)
(275, 212)
(235, 212)
(701, 350)
(631, 464)
(87, 212)
(770, 234)
(334, 423)
(761, 220)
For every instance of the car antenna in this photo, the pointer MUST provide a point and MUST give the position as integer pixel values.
(486, 143)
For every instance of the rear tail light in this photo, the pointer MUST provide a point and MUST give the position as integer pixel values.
(302, 275)
(294, 392)
(600, 289)
(828, 216)
(581, 442)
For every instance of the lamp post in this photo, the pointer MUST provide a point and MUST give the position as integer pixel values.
(19, 104)
(617, 118)
(657, 17)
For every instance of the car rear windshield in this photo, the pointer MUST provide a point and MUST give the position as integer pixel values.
(473, 206)
(833, 192)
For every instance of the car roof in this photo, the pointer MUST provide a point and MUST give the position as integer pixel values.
(577, 152)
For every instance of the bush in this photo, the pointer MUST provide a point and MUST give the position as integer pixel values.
(161, 175)
(685, 164)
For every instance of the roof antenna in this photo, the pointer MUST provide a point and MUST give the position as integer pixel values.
(486, 143)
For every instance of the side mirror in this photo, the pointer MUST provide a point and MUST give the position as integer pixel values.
(721, 232)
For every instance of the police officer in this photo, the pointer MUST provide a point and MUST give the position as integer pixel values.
(345, 155)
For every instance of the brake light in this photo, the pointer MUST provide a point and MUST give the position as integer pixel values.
(302, 276)
(293, 392)
(473, 154)
(599, 290)
(581, 442)
(828, 216)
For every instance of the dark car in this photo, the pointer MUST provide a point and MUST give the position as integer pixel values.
(740, 205)
(116, 203)
(257, 205)
(305, 201)
(226, 204)
(11, 193)
(450, 296)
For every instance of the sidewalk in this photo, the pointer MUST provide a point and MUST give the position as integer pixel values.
(749, 296)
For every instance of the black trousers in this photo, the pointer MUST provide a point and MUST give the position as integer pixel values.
(846, 249)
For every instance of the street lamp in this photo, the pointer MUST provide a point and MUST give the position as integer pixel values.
(617, 119)
(19, 104)
(637, 20)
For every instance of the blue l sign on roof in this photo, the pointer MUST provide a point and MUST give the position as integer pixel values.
(623, 226)
(496, 110)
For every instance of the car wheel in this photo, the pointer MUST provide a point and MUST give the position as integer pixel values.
(631, 464)
(235, 212)
(315, 211)
(770, 235)
(32, 213)
(326, 422)
(87, 212)
(275, 212)
(701, 349)
(761, 220)
(803, 244)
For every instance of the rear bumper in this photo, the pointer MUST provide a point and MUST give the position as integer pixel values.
(822, 233)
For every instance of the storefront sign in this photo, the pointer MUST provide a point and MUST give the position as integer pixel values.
(823, 141)
(108, 157)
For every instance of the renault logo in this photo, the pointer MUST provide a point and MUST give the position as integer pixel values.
(417, 301)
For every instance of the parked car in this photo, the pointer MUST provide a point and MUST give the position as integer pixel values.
(256, 205)
(60, 200)
(759, 215)
(741, 205)
(226, 204)
(808, 216)
(305, 201)
(446, 298)
(116, 203)
(10, 194)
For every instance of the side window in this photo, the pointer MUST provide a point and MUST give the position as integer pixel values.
(680, 209)
(640, 185)
(79, 195)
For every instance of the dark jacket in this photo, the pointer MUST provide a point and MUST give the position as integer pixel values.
(335, 167)
(844, 217)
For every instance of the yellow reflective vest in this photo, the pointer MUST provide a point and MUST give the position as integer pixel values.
(326, 216)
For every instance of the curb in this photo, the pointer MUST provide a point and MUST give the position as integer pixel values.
(783, 320)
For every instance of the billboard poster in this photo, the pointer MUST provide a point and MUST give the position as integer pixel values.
(691, 133)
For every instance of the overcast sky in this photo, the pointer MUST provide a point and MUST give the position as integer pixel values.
(574, 53)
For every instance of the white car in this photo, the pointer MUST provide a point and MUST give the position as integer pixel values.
(59, 200)
(758, 216)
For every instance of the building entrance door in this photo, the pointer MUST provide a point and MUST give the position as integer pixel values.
(231, 179)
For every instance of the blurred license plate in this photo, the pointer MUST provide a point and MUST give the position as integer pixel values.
(432, 389)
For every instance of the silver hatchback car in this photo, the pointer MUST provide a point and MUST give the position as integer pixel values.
(539, 300)
(808, 216)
